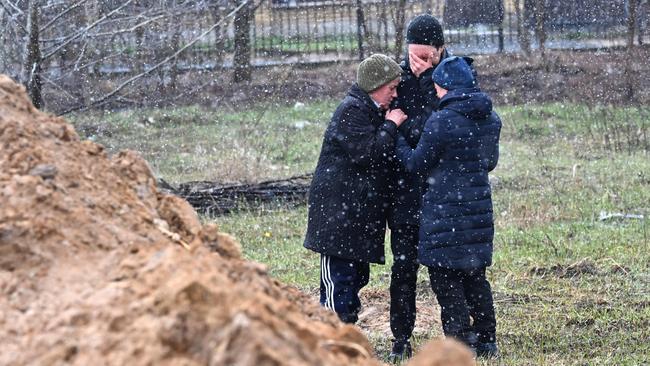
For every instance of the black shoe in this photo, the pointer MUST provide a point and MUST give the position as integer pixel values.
(401, 351)
(487, 350)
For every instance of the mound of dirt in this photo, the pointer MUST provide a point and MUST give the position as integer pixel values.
(98, 267)
(443, 352)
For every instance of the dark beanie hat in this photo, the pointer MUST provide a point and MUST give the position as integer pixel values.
(425, 29)
(454, 73)
(375, 71)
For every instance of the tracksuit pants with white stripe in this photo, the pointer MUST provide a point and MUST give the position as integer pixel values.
(340, 282)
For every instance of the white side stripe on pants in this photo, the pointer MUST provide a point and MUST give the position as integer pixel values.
(327, 280)
(329, 277)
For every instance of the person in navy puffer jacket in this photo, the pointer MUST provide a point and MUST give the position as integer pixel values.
(457, 149)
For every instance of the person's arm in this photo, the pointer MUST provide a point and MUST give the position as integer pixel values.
(363, 143)
(493, 154)
(414, 125)
(427, 153)
(412, 128)
(423, 70)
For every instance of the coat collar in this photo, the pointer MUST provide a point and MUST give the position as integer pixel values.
(470, 102)
(356, 92)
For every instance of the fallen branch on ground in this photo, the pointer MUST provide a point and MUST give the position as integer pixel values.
(213, 198)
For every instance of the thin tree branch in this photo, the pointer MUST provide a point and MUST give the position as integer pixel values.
(81, 32)
(156, 66)
(58, 87)
(127, 30)
(81, 55)
(13, 6)
(13, 16)
(62, 14)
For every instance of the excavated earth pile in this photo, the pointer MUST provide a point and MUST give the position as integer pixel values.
(98, 267)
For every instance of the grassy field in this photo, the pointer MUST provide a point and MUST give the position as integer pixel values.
(571, 286)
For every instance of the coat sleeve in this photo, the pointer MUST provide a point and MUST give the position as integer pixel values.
(493, 153)
(412, 128)
(427, 153)
(428, 89)
(364, 143)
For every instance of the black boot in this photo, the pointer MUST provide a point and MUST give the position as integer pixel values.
(487, 350)
(401, 351)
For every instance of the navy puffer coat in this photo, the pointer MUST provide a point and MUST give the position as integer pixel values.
(349, 194)
(457, 149)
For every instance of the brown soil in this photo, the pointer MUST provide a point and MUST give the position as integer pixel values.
(443, 352)
(375, 314)
(98, 267)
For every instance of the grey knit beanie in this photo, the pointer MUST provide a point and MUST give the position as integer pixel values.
(375, 71)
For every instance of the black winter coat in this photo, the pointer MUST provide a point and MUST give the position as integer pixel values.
(458, 147)
(349, 194)
(417, 98)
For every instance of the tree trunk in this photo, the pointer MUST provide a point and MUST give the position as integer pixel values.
(631, 22)
(400, 14)
(242, 56)
(630, 79)
(32, 61)
(641, 20)
(219, 36)
(540, 29)
(139, 49)
(175, 46)
(384, 22)
(522, 29)
(361, 24)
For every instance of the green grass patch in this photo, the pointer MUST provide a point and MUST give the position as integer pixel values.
(193, 143)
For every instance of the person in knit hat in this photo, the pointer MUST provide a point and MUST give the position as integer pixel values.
(458, 148)
(416, 96)
(349, 193)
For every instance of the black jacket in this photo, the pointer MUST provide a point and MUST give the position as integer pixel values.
(349, 194)
(458, 147)
(417, 98)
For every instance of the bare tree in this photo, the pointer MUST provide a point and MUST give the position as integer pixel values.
(523, 37)
(540, 26)
(362, 31)
(64, 49)
(399, 21)
(643, 12)
(630, 78)
(633, 5)
(32, 64)
(242, 56)
(216, 10)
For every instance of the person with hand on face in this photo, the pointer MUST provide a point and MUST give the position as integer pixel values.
(459, 146)
(349, 194)
(416, 96)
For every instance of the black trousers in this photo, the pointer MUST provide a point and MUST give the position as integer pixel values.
(340, 282)
(403, 280)
(461, 295)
